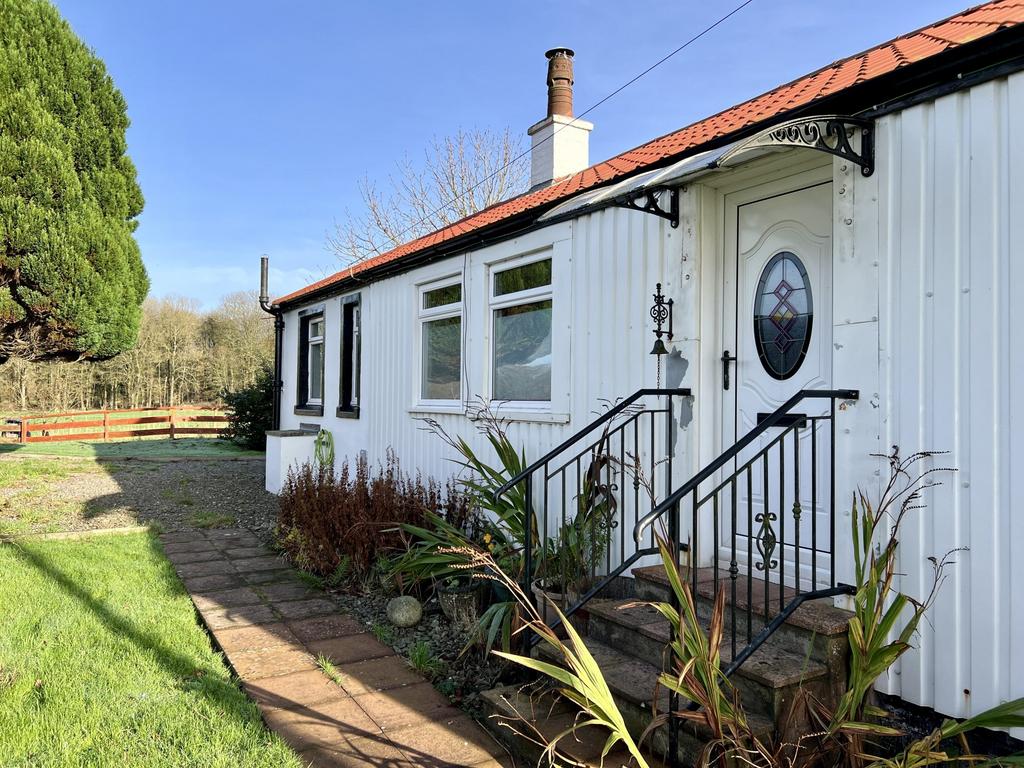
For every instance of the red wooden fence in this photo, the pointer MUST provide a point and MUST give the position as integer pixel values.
(114, 424)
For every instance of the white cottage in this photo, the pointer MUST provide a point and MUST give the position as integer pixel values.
(836, 264)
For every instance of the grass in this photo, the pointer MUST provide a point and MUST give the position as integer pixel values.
(102, 663)
(154, 448)
(32, 473)
(422, 659)
(211, 520)
(24, 489)
(383, 633)
(310, 578)
(328, 668)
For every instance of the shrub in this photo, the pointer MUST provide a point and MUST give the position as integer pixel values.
(351, 518)
(251, 412)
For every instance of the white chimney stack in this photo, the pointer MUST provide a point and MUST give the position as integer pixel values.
(560, 145)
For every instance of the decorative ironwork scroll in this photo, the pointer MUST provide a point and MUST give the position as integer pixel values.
(826, 133)
(651, 201)
(766, 541)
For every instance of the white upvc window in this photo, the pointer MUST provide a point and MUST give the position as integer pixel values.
(315, 361)
(439, 311)
(521, 329)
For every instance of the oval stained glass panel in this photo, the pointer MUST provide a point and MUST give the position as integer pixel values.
(783, 314)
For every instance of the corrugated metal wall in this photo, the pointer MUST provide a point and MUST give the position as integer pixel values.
(948, 197)
(927, 266)
(606, 266)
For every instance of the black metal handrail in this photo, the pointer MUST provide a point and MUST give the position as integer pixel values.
(605, 417)
(673, 499)
(568, 457)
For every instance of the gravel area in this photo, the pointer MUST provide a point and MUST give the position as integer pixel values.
(460, 676)
(176, 494)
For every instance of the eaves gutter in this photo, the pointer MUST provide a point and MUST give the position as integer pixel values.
(992, 56)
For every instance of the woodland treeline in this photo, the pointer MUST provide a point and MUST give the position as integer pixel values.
(183, 356)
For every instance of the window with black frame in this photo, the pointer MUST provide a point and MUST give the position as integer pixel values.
(310, 395)
(351, 347)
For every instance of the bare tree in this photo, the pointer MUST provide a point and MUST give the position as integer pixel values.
(461, 174)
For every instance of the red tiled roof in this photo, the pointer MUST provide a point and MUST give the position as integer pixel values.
(965, 27)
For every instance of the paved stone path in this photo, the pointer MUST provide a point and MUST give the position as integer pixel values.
(272, 626)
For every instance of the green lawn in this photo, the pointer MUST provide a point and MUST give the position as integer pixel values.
(157, 448)
(26, 485)
(102, 664)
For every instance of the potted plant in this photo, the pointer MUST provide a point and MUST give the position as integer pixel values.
(569, 563)
(460, 598)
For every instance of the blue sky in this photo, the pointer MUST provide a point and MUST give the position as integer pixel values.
(252, 121)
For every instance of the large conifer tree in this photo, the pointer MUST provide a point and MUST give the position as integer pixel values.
(71, 276)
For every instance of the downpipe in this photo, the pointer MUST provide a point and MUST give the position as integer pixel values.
(275, 310)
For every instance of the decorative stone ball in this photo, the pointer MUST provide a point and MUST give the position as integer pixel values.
(405, 611)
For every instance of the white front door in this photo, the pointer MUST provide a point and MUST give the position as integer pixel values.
(778, 327)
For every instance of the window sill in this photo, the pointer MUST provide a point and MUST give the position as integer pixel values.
(506, 414)
(347, 413)
(309, 410)
(537, 417)
(428, 408)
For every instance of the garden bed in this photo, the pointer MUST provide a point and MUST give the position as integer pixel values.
(459, 676)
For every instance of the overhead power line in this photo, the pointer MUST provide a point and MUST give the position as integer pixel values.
(398, 238)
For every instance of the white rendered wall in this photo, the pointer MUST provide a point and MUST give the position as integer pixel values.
(285, 451)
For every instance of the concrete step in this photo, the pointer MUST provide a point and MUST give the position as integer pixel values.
(768, 683)
(817, 629)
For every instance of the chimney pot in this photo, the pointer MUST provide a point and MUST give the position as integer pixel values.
(560, 81)
(559, 144)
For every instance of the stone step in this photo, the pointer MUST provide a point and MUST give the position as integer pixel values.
(524, 722)
(817, 629)
(768, 683)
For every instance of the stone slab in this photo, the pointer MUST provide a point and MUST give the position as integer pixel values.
(216, 581)
(455, 741)
(255, 637)
(193, 556)
(247, 552)
(325, 627)
(225, 598)
(328, 723)
(264, 563)
(270, 662)
(194, 545)
(239, 617)
(304, 609)
(269, 577)
(384, 674)
(294, 690)
(206, 568)
(289, 590)
(357, 753)
(350, 648)
(396, 709)
(177, 537)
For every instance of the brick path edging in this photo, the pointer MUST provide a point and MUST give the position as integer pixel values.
(271, 626)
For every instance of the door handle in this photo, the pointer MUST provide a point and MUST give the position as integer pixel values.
(726, 359)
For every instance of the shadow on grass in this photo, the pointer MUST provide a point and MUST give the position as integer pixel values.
(310, 729)
(190, 482)
(135, 448)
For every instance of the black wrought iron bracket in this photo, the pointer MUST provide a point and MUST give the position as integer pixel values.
(651, 201)
(826, 133)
